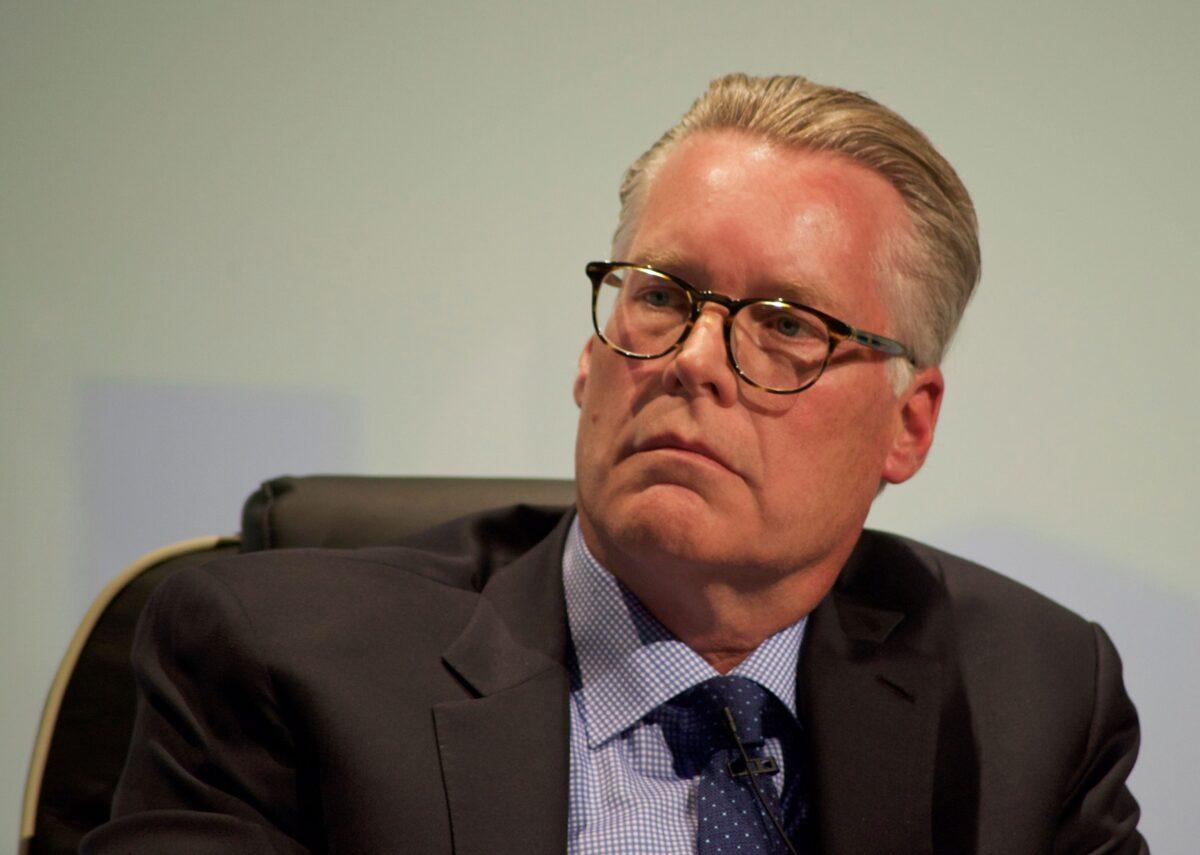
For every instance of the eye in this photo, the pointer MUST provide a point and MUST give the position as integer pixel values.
(782, 324)
(653, 295)
(659, 298)
(787, 326)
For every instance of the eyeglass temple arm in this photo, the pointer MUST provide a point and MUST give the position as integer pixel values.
(878, 342)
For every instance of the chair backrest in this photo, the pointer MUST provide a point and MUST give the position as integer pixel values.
(88, 716)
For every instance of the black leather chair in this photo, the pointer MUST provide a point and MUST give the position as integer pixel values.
(88, 716)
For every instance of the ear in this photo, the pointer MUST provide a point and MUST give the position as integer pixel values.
(585, 364)
(917, 416)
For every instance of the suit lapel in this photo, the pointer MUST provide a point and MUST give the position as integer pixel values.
(871, 685)
(504, 753)
(870, 678)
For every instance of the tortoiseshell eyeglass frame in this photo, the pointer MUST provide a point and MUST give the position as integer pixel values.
(838, 330)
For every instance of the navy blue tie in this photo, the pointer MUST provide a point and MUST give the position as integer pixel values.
(732, 820)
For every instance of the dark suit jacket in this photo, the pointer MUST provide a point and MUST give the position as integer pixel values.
(415, 700)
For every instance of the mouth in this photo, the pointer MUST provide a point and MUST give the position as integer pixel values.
(685, 447)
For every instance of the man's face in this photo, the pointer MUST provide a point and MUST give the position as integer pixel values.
(679, 461)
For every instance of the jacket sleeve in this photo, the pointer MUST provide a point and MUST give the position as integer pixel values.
(1100, 815)
(210, 765)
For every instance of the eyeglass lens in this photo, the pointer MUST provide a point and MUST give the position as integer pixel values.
(773, 344)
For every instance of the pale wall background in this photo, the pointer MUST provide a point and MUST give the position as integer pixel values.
(243, 239)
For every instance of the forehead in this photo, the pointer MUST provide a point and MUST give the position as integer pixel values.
(746, 215)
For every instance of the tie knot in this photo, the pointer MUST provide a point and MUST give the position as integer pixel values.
(694, 724)
(744, 698)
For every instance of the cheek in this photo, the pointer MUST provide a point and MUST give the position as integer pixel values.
(826, 447)
(616, 386)
(604, 403)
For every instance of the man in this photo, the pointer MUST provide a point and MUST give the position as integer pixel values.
(711, 654)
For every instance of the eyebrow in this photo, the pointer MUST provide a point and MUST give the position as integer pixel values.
(671, 261)
(666, 260)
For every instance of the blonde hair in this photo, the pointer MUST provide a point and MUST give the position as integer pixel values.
(932, 270)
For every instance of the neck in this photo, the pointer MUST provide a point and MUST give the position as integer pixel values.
(702, 606)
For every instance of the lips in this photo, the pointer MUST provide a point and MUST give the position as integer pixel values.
(675, 442)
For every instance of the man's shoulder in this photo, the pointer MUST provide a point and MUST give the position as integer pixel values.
(301, 605)
(429, 586)
(461, 555)
(996, 626)
(280, 572)
(977, 593)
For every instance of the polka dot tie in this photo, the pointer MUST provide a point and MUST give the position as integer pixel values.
(731, 819)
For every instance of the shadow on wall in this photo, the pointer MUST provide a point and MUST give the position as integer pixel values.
(163, 462)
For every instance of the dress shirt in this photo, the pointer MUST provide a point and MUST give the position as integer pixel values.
(625, 795)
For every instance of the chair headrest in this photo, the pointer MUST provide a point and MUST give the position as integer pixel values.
(346, 511)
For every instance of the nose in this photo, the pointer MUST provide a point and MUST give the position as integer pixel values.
(701, 364)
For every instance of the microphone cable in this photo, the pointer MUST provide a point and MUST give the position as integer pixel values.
(753, 776)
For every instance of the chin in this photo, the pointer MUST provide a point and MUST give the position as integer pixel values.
(665, 522)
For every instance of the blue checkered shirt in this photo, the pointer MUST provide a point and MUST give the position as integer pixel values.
(625, 797)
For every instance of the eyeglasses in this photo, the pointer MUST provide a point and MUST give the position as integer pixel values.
(775, 345)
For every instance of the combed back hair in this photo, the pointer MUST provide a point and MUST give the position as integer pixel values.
(930, 271)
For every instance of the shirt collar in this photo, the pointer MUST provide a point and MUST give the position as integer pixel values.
(629, 663)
